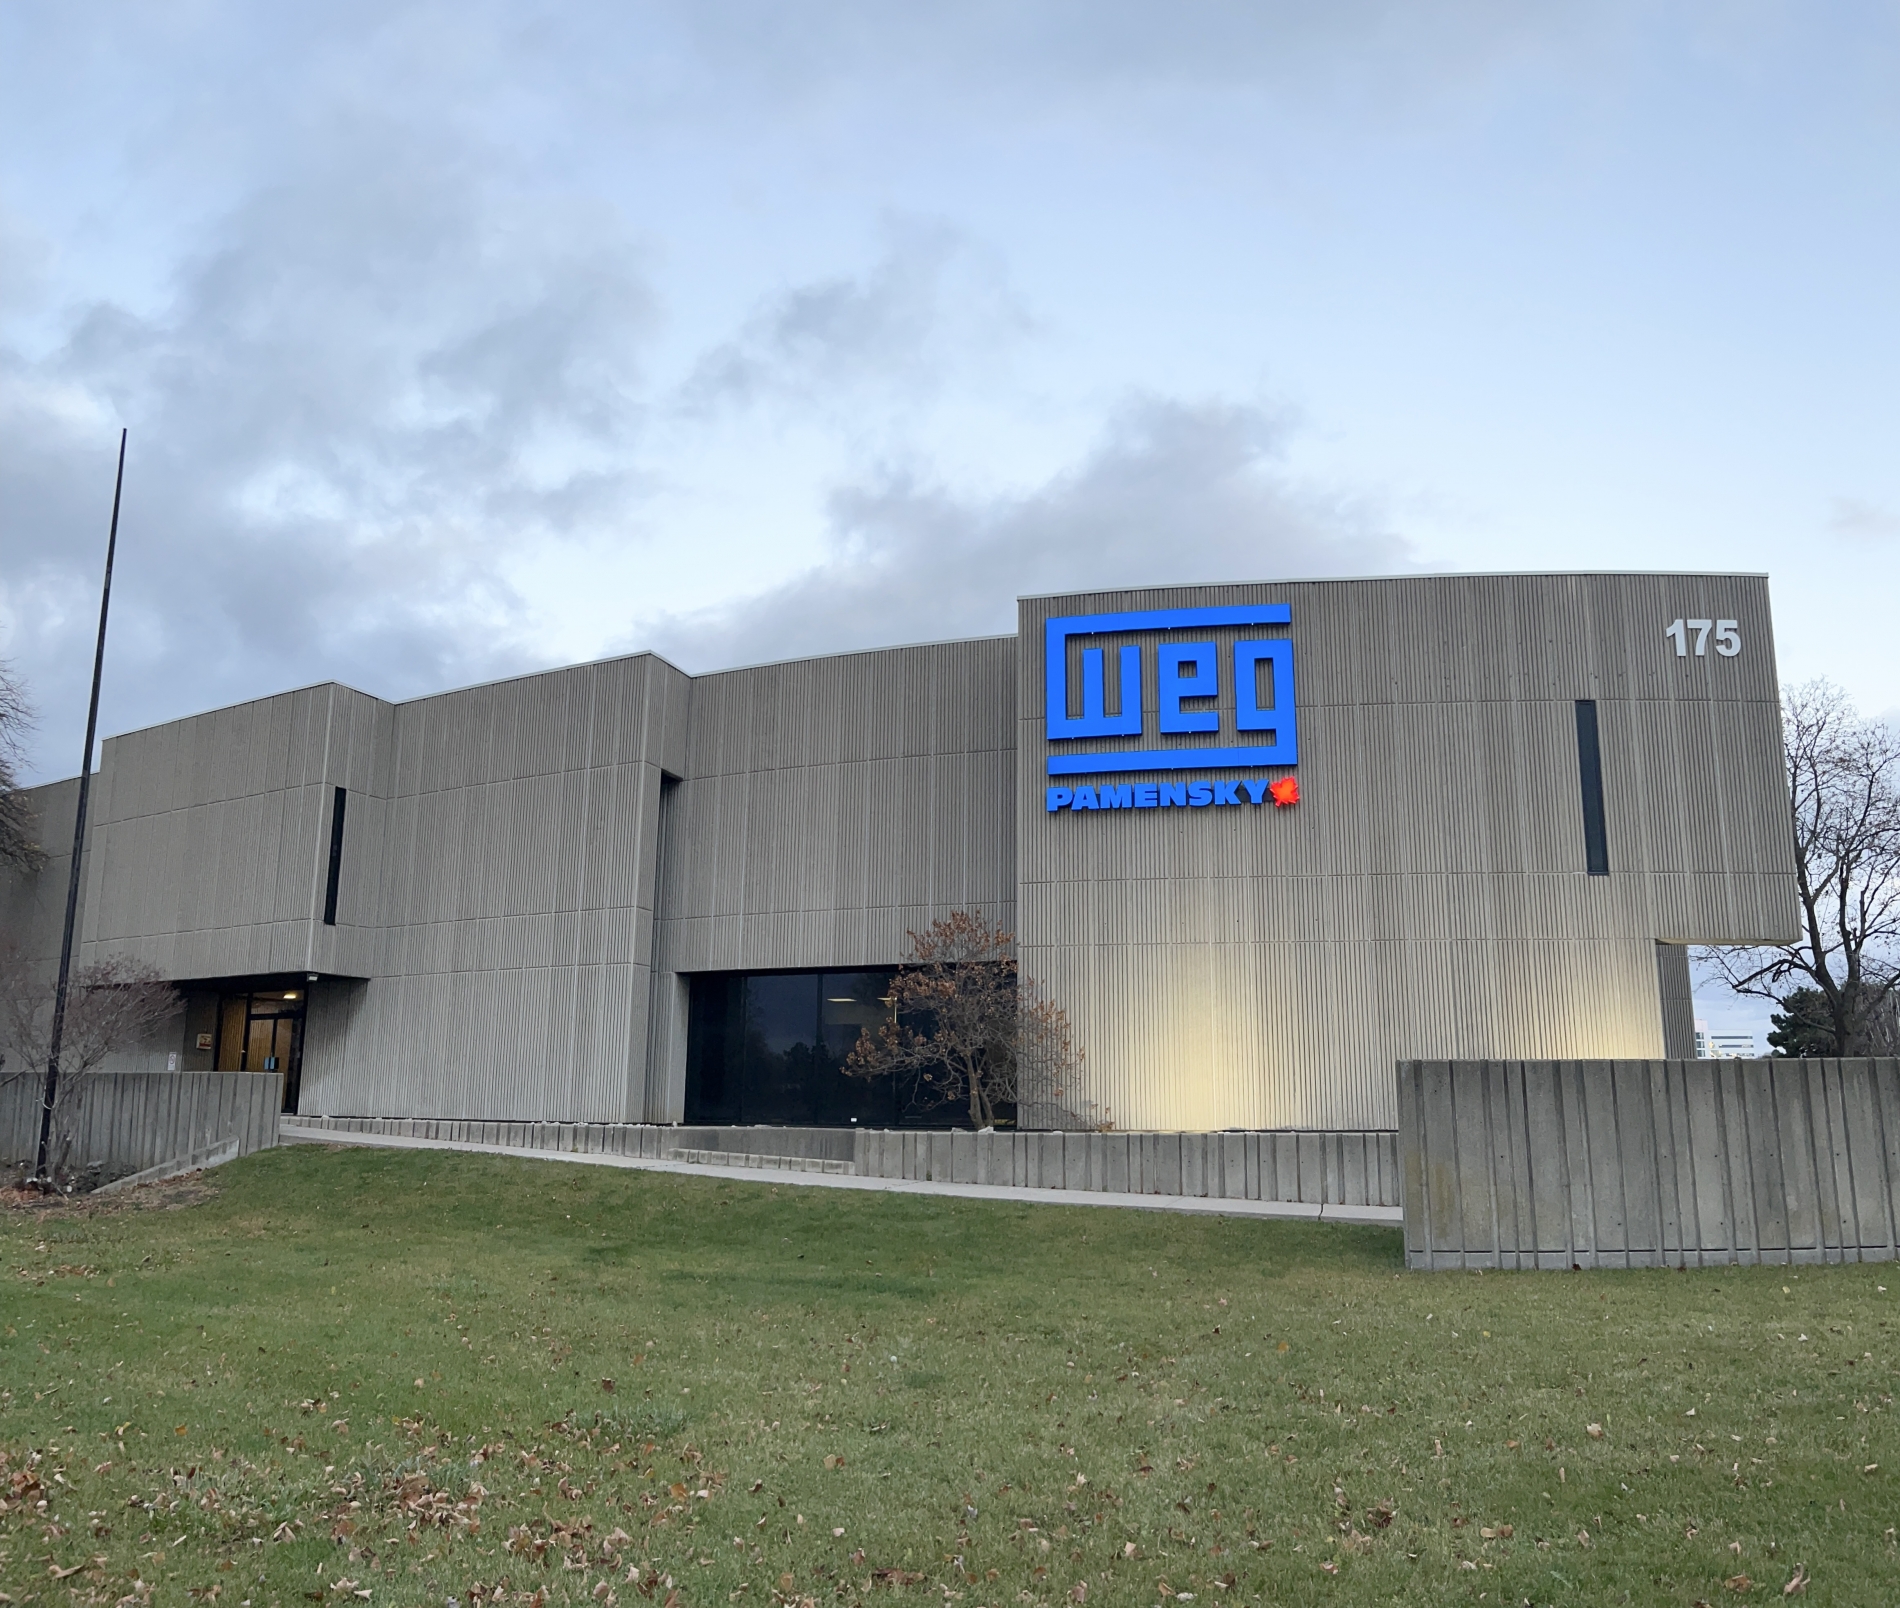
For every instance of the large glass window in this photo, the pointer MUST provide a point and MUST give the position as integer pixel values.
(770, 1047)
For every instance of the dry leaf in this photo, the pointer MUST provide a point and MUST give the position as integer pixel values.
(1594, 1431)
(1738, 1583)
(1797, 1584)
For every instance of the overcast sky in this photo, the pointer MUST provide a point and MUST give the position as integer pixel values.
(462, 339)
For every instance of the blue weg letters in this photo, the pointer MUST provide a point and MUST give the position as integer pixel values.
(1187, 686)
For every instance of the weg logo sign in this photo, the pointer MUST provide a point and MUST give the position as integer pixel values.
(1188, 680)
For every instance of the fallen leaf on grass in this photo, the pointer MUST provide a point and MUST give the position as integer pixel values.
(1797, 1584)
(883, 1577)
(1329, 1568)
(65, 1574)
(1594, 1431)
(1739, 1583)
(1502, 1532)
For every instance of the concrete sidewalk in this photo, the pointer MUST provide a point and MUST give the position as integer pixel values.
(290, 1131)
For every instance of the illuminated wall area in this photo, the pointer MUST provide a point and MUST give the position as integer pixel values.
(1261, 841)
(1511, 790)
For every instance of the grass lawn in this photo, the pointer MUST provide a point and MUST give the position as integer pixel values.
(397, 1377)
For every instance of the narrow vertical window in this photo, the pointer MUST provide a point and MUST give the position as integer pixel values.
(1596, 846)
(336, 858)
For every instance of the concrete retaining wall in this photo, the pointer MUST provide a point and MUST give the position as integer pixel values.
(126, 1122)
(1560, 1164)
(1345, 1169)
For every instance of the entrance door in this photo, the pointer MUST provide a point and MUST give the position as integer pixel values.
(263, 1032)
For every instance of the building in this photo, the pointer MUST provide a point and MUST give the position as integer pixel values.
(1261, 841)
(1723, 1046)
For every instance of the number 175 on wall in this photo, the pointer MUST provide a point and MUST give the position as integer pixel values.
(1728, 641)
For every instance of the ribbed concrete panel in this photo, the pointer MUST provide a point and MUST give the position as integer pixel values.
(829, 806)
(1252, 967)
(516, 898)
(116, 1123)
(33, 908)
(1678, 1001)
(210, 835)
(1646, 1163)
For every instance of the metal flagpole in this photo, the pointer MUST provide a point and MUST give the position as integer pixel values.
(79, 843)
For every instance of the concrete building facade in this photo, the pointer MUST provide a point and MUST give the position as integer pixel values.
(1513, 800)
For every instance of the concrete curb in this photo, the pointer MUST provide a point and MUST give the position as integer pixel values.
(290, 1131)
(192, 1161)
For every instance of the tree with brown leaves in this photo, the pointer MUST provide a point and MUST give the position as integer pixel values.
(971, 1029)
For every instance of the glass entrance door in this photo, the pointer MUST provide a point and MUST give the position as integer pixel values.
(263, 1032)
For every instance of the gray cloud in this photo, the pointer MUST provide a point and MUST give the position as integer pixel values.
(1175, 492)
(379, 381)
(933, 302)
(402, 363)
(1056, 48)
(1862, 521)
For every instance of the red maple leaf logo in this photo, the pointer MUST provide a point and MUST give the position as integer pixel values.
(1285, 791)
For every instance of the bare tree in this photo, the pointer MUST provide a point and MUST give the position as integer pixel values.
(1844, 813)
(18, 846)
(971, 1029)
(113, 1004)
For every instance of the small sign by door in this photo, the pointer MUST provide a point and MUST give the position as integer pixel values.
(204, 1041)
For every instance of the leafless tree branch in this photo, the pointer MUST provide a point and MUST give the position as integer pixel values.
(19, 847)
(113, 1004)
(1844, 817)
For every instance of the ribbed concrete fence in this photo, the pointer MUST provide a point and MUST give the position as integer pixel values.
(125, 1122)
(1338, 1168)
(1559, 1164)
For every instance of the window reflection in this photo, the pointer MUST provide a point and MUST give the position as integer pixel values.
(770, 1047)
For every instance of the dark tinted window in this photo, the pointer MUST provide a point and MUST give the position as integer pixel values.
(770, 1047)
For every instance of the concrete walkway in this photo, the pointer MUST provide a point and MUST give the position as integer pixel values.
(290, 1131)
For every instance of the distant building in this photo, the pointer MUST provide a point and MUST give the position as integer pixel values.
(1723, 1046)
